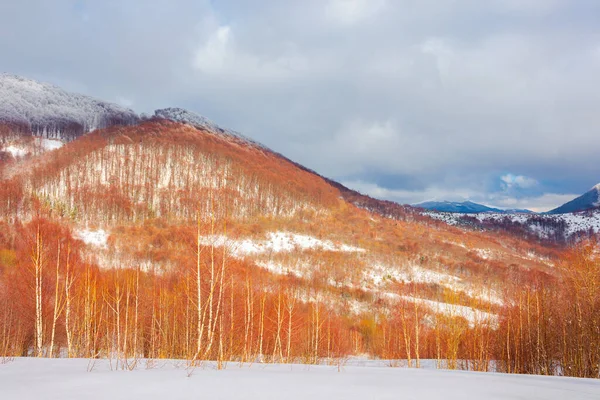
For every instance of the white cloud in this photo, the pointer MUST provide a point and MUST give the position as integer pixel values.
(411, 196)
(545, 202)
(212, 54)
(221, 57)
(541, 203)
(511, 181)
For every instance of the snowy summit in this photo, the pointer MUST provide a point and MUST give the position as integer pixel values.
(46, 110)
(587, 201)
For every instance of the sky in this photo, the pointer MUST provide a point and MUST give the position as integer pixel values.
(492, 101)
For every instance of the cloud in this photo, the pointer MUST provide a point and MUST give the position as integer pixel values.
(212, 55)
(219, 56)
(411, 196)
(518, 181)
(544, 202)
(538, 203)
(406, 95)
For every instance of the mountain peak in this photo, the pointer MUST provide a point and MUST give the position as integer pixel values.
(587, 201)
(183, 116)
(49, 111)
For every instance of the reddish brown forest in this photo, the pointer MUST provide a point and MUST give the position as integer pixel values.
(53, 303)
(160, 289)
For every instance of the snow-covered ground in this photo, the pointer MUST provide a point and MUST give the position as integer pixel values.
(574, 222)
(21, 149)
(15, 150)
(277, 242)
(97, 238)
(378, 274)
(67, 379)
(50, 144)
(472, 315)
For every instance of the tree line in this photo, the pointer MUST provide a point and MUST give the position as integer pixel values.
(55, 303)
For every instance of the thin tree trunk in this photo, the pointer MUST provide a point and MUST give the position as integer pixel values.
(38, 264)
(57, 304)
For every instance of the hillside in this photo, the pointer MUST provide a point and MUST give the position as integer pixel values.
(135, 196)
(174, 238)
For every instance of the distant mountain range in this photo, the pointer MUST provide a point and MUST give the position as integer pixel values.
(587, 201)
(466, 207)
(578, 218)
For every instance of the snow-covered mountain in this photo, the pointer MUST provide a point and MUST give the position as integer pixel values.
(49, 111)
(587, 201)
(466, 207)
(578, 218)
(168, 198)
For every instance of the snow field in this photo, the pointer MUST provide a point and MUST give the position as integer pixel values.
(68, 379)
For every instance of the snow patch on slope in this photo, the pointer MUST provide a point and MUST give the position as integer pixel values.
(277, 242)
(31, 145)
(16, 150)
(280, 269)
(379, 274)
(51, 144)
(97, 238)
(472, 315)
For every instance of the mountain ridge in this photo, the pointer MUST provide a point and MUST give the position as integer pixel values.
(587, 201)
(201, 216)
(466, 207)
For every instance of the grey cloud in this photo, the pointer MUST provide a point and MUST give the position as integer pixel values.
(454, 94)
